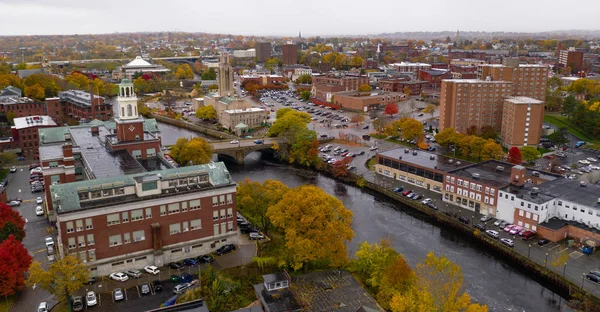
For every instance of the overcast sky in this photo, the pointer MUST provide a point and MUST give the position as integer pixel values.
(286, 18)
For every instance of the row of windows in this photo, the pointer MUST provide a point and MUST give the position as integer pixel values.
(126, 216)
(85, 195)
(79, 225)
(125, 238)
(411, 169)
(185, 226)
(81, 241)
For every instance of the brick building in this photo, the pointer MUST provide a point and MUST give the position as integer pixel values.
(407, 67)
(528, 80)
(434, 77)
(571, 58)
(398, 85)
(370, 63)
(161, 217)
(11, 100)
(241, 120)
(289, 54)
(263, 51)
(25, 134)
(79, 105)
(263, 79)
(522, 121)
(365, 101)
(324, 86)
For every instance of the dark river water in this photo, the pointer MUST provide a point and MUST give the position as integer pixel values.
(488, 280)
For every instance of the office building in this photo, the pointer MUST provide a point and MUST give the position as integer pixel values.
(79, 106)
(25, 134)
(323, 87)
(571, 58)
(290, 54)
(522, 121)
(12, 100)
(263, 51)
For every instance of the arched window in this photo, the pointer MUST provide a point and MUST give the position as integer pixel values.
(122, 91)
(127, 92)
(122, 111)
(135, 110)
(129, 110)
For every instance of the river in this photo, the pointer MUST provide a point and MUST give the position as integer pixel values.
(488, 280)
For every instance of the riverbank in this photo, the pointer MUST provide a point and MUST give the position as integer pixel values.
(555, 281)
(193, 127)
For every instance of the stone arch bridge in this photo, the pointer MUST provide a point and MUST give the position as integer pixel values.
(240, 150)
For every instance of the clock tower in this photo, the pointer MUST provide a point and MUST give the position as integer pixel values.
(130, 127)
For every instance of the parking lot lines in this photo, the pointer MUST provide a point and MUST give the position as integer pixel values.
(554, 247)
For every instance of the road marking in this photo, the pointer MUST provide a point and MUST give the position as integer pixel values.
(41, 250)
(554, 247)
(563, 250)
(576, 254)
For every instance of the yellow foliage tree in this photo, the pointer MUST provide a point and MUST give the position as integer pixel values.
(206, 112)
(191, 152)
(78, 81)
(184, 71)
(365, 87)
(307, 215)
(62, 278)
(429, 109)
(254, 200)
(35, 92)
(491, 150)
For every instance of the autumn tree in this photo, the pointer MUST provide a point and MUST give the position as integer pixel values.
(35, 92)
(488, 132)
(304, 149)
(209, 74)
(206, 112)
(356, 61)
(304, 79)
(357, 118)
(254, 200)
(316, 226)
(379, 125)
(529, 153)
(11, 223)
(305, 95)
(271, 63)
(288, 123)
(391, 109)
(62, 278)
(491, 150)
(283, 111)
(365, 87)
(447, 137)
(184, 71)
(14, 262)
(407, 128)
(514, 156)
(191, 152)
(340, 168)
(78, 81)
(429, 109)
(406, 90)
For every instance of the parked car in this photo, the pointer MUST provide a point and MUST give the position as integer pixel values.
(206, 259)
(175, 265)
(497, 223)
(480, 226)
(508, 242)
(407, 192)
(485, 219)
(179, 289)
(151, 269)
(77, 303)
(398, 189)
(13, 169)
(593, 277)
(90, 281)
(190, 261)
(256, 236)
(543, 242)
(185, 278)
(527, 235)
(119, 276)
(175, 278)
(463, 219)
(39, 211)
(39, 200)
(509, 227)
(426, 201)
(49, 241)
(134, 273)
(225, 249)
(14, 203)
(156, 285)
(145, 289)
(42, 307)
(515, 230)
(90, 299)
(492, 233)
(118, 294)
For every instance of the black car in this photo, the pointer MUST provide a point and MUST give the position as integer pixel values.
(206, 259)
(175, 265)
(463, 219)
(366, 127)
(543, 242)
(480, 226)
(247, 229)
(90, 281)
(156, 285)
(593, 277)
(225, 249)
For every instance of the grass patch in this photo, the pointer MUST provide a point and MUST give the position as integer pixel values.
(3, 173)
(544, 150)
(371, 163)
(561, 122)
(378, 136)
(6, 303)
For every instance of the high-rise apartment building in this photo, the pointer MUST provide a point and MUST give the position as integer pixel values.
(263, 51)
(571, 58)
(528, 80)
(290, 54)
(522, 120)
(467, 103)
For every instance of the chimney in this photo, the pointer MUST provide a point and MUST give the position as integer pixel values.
(67, 150)
(95, 131)
(517, 175)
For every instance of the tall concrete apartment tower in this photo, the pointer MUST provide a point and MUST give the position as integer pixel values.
(225, 76)
(263, 51)
(290, 54)
(528, 79)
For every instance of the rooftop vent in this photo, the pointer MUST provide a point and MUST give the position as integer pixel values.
(598, 200)
(414, 153)
(535, 191)
(450, 161)
(432, 157)
(499, 168)
(406, 151)
(535, 174)
(475, 175)
(400, 157)
(458, 163)
(582, 184)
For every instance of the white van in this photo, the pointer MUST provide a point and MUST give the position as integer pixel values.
(179, 289)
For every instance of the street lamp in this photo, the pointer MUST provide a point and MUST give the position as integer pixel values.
(564, 269)
(582, 279)
(546, 261)
(529, 251)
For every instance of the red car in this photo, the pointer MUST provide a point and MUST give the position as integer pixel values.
(549, 156)
(345, 154)
(406, 193)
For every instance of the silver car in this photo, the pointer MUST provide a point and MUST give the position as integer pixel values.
(118, 294)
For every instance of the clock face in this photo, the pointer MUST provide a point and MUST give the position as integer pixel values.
(131, 128)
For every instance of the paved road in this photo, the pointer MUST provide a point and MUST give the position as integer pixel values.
(242, 143)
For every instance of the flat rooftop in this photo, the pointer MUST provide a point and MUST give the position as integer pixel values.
(425, 159)
(570, 190)
(476, 81)
(33, 121)
(557, 224)
(523, 100)
(490, 173)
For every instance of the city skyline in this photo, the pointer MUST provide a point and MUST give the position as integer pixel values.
(313, 18)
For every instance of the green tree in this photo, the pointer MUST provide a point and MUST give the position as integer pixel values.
(271, 63)
(529, 153)
(569, 105)
(558, 138)
(254, 200)
(209, 74)
(288, 123)
(306, 215)
(5, 68)
(304, 79)
(304, 148)
(429, 109)
(283, 111)
(488, 132)
(141, 85)
(184, 71)
(191, 152)
(365, 87)
(356, 61)
(11, 115)
(62, 278)
(305, 95)
(206, 112)
(7, 159)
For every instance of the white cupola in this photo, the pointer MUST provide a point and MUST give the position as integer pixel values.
(127, 101)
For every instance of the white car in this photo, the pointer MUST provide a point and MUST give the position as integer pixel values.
(39, 211)
(13, 169)
(119, 276)
(49, 241)
(234, 142)
(373, 148)
(90, 299)
(584, 162)
(426, 201)
(508, 242)
(592, 159)
(38, 169)
(39, 200)
(256, 236)
(43, 307)
(151, 269)
(492, 233)
(485, 219)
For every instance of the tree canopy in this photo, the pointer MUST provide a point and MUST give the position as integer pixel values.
(191, 152)
(184, 71)
(14, 262)
(11, 223)
(391, 109)
(63, 277)
(254, 200)
(206, 112)
(316, 226)
(514, 156)
(529, 153)
(304, 79)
